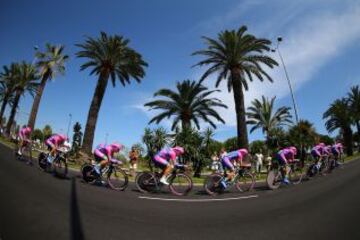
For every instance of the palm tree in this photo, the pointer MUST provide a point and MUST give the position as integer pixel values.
(7, 80)
(262, 115)
(26, 82)
(109, 57)
(237, 57)
(339, 116)
(354, 98)
(191, 140)
(303, 135)
(50, 63)
(189, 104)
(154, 141)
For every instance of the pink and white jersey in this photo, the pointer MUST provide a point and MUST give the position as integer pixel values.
(167, 153)
(25, 133)
(103, 150)
(286, 154)
(319, 149)
(56, 139)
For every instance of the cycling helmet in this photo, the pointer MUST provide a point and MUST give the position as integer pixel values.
(178, 150)
(116, 147)
(293, 149)
(62, 137)
(322, 144)
(244, 151)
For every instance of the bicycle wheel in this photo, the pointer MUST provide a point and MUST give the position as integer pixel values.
(146, 182)
(245, 182)
(296, 173)
(42, 161)
(212, 184)
(180, 184)
(87, 173)
(117, 179)
(273, 179)
(60, 167)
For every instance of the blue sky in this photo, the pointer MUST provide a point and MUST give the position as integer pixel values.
(321, 48)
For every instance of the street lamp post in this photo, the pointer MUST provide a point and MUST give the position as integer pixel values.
(279, 39)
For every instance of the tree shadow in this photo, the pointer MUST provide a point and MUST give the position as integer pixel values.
(76, 230)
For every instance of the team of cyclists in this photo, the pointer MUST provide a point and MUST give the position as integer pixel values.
(166, 158)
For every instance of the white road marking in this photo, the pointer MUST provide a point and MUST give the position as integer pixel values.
(198, 200)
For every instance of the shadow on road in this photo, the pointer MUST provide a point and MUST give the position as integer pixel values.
(75, 220)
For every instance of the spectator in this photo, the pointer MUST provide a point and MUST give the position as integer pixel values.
(215, 164)
(268, 161)
(259, 159)
(134, 157)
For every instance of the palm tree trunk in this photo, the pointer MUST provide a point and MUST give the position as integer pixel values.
(240, 110)
(36, 103)
(13, 112)
(3, 106)
(347, 133)
(94, 111)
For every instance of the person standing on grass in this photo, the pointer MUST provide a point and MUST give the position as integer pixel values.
(134, 157)
(259, 158)
(215, 162)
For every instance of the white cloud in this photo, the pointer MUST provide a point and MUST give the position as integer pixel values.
(307, 46)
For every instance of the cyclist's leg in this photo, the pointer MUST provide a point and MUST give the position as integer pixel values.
(52, 151)
(20, 145)
(228, 165)
(100, 160)
(166, 167)
(285, 169)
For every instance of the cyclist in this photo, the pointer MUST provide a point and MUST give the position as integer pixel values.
(53, 143)
(166, 159)
(318, 153)
(104, 154)
(24, 136)
(337, 150)
(286, 156)
(228, 160)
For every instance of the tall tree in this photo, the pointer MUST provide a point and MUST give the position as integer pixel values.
(237, 57)
(261, 114)
(354, 98)
(155, 140)
(109, 57)
(338, 116)
(7, 83)
(302, 135)
(190, 103)
(26, 82)
(50, 63)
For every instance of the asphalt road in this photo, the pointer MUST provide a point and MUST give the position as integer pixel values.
(36, 205)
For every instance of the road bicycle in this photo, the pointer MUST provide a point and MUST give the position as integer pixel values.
(325, 167)
(243, 181)
(26, 152)
(180, 183)
(116, 178)
(275, 176)
(58, 166)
